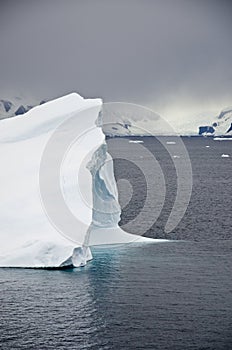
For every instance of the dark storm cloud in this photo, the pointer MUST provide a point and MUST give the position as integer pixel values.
(150, 52)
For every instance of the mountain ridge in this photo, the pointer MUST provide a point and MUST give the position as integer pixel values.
(219, 125)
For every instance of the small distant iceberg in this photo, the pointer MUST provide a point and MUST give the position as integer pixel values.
(136, 141)
(170, 142)
(222, 138)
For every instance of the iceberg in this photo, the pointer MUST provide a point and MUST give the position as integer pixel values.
(135, 141)
(48, 217)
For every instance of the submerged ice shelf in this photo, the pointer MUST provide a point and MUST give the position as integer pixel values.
(28, 236)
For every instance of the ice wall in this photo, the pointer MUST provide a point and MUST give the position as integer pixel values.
(36, 230)
(28, 238)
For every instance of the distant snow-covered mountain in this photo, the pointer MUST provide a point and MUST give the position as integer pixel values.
(224, 123)
(16, 106)
(149, 123)
(220, 126)
(139, 123)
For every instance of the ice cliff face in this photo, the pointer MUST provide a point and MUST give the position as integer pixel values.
(40, 159)
(106, 210)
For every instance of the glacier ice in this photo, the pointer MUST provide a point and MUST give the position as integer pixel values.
(28, 236)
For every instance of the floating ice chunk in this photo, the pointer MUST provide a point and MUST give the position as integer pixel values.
(135, 141)
(222, 138)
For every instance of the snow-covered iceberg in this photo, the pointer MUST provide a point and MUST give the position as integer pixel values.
(36, 229)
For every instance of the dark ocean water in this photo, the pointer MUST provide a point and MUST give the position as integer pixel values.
(173, 295)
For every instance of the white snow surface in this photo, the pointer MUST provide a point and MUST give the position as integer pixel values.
(28, 236)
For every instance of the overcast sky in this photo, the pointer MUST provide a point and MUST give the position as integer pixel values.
(173, 55)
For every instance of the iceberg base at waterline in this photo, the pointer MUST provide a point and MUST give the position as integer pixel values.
(37, 230)
(45, 254)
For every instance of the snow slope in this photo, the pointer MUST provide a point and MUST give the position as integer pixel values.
(38, 182)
